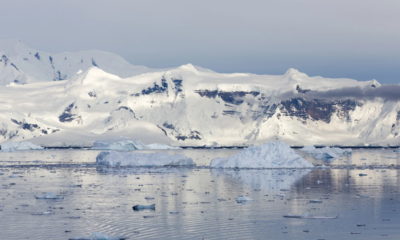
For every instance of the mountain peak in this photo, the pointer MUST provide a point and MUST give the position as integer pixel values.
(294, 74)
(92, 76)
(188, 67)
(292, 71)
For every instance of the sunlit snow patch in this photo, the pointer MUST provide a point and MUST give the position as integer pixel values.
(134, 159)
(273, 154)
(326, 153)
(18, 146)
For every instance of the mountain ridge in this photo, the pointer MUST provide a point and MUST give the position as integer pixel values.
(194, 106)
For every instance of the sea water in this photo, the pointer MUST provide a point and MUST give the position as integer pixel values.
(353, 197)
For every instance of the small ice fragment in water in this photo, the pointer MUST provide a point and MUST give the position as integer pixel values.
(144, 207)
(42, 213)
(315, 201)
(310, 217)
(243, 199)
(49, 195)
(293, 216)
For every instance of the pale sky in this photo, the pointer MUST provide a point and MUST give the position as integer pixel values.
(334, 38)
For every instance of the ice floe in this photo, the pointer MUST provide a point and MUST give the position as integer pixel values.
(137, 159)
(274, 154)
(18, 146)
(144, 207)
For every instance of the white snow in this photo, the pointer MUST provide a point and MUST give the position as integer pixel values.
(326, 153)
(183, 106)
(18, 146)
(128, 145)
(274, 154)
(137, 159)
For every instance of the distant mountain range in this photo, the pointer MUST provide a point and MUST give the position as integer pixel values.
(73, 99)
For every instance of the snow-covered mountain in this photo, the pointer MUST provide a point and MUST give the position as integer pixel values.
(22, 64)
(191, 106)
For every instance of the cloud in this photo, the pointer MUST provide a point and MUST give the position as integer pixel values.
(386, 92)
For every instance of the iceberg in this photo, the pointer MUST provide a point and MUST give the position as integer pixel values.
(135, 159)
(19, 146)
(274, 154)
(326, 153)
(128, 145)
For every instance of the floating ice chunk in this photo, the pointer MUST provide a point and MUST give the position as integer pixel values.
(326, 153)
(49, 196)
(144, 207)
(18, 146)
(243, 199)
(273, 154)
(135, 159)
(128, 145)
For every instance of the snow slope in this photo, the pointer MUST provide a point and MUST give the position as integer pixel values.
(20, 63)
(188, 106)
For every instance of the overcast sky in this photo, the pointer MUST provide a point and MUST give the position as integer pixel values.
(333, 38)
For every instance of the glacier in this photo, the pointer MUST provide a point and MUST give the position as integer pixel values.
(100, 97)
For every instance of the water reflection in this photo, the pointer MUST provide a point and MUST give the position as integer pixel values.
(270, 180)
(197, 203)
